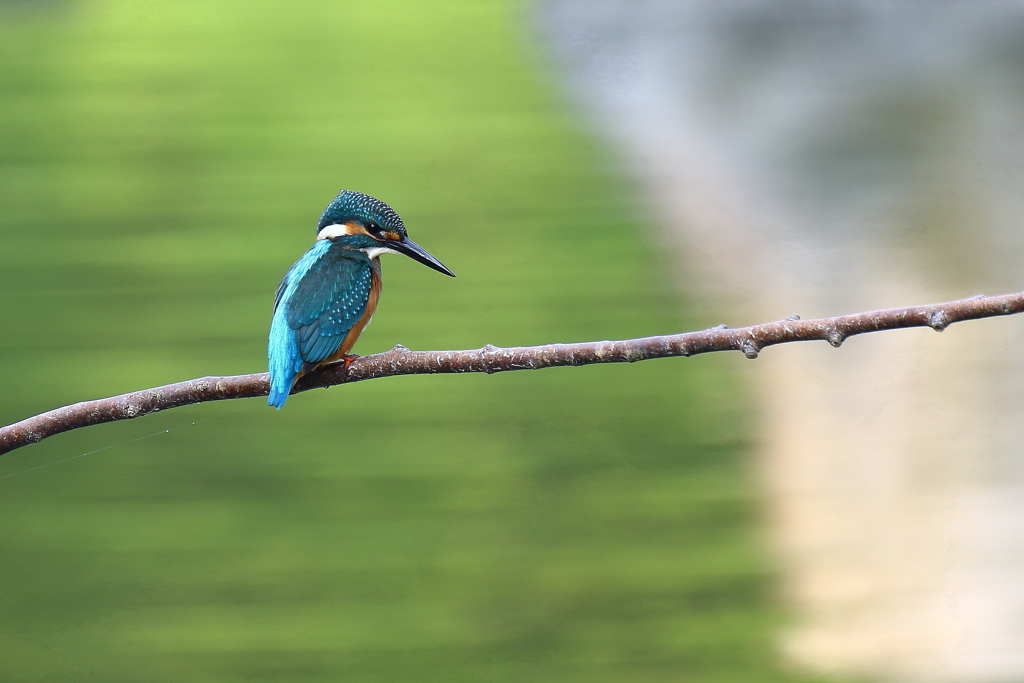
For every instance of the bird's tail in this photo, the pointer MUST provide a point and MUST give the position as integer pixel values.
(283, 360)
(279, 392)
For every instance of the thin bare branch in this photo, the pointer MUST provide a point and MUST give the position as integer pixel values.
(401, 361)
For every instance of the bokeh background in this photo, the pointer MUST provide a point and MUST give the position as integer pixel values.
(590, 169)
(162, 164)
(826, 156)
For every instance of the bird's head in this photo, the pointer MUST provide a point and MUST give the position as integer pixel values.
(358, 221)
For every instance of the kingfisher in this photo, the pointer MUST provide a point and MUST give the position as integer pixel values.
(329, 295)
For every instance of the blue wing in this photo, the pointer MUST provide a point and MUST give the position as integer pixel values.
(319, 300)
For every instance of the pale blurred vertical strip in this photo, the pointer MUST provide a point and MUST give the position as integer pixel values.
(826, 157)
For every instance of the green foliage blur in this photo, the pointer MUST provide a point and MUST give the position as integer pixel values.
(161, 165)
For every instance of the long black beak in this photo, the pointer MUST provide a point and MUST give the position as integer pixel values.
(417, 253)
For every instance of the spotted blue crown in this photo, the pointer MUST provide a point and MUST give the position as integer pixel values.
(356, 206)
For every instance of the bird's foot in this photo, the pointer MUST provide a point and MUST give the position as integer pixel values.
(347, 359)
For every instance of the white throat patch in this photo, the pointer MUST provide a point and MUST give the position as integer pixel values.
(374, 252)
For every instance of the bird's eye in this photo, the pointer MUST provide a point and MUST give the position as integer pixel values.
(373, 227)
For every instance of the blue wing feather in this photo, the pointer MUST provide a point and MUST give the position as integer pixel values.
(319, 300)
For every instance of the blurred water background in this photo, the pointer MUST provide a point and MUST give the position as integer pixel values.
(821, 157)
(161, 165)
(590, 169)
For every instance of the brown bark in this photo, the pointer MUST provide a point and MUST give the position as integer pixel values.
(401, 361)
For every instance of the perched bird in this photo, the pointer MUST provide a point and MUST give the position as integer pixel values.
(328, 296)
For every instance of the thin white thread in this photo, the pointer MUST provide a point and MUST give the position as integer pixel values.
(123, 443)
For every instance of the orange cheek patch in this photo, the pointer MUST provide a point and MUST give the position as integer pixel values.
(338, 230)
(355, 229)
(394, 236)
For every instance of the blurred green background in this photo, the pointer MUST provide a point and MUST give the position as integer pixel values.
(161, 165)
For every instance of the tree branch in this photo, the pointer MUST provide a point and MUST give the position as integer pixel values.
(490, 359)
